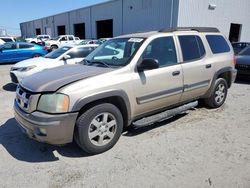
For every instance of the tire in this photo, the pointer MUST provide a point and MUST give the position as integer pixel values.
(53, 47)
(219, 94)
(95, 133)
(36, 55)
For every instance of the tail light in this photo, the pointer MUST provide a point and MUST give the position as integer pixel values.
(234, 60)
(45, 48)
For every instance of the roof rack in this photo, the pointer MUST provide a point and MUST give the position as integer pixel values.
(199, 29)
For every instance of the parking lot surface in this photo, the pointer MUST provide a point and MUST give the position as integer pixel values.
(201, 148)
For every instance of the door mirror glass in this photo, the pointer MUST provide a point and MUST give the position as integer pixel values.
(148, 64)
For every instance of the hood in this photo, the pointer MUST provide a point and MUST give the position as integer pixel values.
(52, 79)
(33, 61)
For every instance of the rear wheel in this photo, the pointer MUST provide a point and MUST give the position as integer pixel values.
(99, 128)
(219, 94)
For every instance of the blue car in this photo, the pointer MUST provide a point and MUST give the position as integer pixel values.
(18, 51)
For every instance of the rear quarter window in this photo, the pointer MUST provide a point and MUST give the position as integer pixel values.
(217, 44)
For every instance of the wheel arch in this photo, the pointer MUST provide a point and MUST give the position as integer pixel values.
(118, 98)
(225, 73)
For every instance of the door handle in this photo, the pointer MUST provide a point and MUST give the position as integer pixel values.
(208, 66)
(176, 73)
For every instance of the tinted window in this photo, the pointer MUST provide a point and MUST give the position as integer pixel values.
(192, 47)
(163, 50)
(246, 51)
(25, 46)
(63, 39)
(217, 44)
(71, 38)
(7, 40)
(9, 46)
(81, 52)
(58, 52)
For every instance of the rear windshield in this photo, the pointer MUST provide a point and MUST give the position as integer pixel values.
(217, 44)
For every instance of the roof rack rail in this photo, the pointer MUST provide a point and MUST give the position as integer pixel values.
(199, 29)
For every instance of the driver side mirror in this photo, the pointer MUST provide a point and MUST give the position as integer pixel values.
(148, 64)
(66, 57)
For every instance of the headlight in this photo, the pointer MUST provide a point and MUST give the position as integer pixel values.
(23, 69)
(53, 103)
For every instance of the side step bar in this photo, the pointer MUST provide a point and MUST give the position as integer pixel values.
(164, 115)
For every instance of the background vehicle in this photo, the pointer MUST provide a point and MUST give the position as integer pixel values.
(61, 56)
(38, 39)
(18, 51)
(243, 62)
(157, 71)
(238, 46)
(1, 42)
(59, 41)
(88, 41)
(8, 39)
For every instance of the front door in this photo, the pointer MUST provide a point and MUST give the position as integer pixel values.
(9, 53)
(161, 87)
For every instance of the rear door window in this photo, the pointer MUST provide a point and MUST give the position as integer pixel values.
(25, 46)
(81, 52)
(192, 47)
(217, 44)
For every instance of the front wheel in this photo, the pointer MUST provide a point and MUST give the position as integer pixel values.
(219, 94)
(99, 128)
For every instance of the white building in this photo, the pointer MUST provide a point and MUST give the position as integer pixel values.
(117, 17)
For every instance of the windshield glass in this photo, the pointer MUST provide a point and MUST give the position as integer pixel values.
(246, 51)
(114, 52)
(55, 38)
(58, 52)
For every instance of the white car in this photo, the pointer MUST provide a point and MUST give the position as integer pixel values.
(6, 39)
(39, 38)
(60, 41)
(61, 56)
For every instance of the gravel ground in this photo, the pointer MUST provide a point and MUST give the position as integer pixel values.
(202, 148)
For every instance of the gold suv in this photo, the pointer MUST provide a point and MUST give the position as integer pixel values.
(135, 79)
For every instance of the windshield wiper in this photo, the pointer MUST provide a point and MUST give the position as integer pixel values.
(100, 63)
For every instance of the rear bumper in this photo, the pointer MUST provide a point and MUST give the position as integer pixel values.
(52, 129)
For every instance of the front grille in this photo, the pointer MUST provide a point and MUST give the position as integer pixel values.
(242, 67)
(13, 78)
(23, 98)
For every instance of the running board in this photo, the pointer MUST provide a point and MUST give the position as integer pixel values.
(164, 115)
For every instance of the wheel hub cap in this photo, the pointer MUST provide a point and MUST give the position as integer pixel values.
(102, 129)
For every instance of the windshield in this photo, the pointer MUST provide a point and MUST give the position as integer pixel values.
(114, 52)
(58, 52)
(56, 38)
(246, 51)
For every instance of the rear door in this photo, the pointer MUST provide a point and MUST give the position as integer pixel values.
(197, 70)
(25, 51)
(161, 87)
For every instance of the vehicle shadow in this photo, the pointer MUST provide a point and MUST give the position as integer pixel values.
(10, 87)
(134, 131)
(22, 148)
